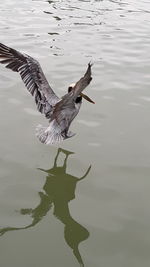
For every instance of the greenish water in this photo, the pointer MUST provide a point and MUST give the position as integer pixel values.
(86, 203)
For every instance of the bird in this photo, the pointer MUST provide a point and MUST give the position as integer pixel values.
(59, 111)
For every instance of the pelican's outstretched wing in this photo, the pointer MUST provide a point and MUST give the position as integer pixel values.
(83, 82)
(32, 75)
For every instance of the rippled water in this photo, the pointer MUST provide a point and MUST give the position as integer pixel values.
(90, 207)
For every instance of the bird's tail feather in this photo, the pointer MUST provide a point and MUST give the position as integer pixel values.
(48, 135)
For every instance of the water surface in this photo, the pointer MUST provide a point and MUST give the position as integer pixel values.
(86, 203)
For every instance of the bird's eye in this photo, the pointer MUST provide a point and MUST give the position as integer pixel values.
(69, 89)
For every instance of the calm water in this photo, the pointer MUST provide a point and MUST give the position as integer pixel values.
(86, 203)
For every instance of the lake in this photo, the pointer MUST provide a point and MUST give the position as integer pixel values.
(86, 201)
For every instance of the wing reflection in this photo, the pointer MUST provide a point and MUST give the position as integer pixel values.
(58, 191)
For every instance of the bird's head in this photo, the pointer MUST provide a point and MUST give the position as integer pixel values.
(79, 98)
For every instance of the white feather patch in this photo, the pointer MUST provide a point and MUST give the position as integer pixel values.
(49, 135)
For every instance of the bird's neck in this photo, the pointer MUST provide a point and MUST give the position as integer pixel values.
(78, 99)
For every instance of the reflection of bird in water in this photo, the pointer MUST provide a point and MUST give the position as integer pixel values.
(59, 189)
(59, 111)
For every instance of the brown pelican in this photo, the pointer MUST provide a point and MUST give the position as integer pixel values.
(59, 111)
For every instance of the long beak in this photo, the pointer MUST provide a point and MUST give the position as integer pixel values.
(87, 98)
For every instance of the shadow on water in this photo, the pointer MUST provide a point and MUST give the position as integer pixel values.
(58, 191)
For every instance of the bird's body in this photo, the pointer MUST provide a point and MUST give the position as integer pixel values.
(59, 111)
